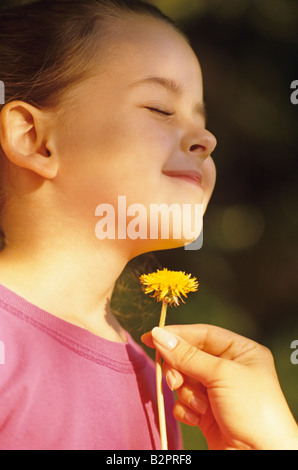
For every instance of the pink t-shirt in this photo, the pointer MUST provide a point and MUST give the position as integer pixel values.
(62, 387)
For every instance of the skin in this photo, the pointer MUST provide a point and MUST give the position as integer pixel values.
(110, 137)
(227, 385)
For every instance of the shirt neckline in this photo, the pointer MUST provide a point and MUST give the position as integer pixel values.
(124, 357)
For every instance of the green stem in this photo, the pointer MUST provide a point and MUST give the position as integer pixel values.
(163, 314)
(159, 389)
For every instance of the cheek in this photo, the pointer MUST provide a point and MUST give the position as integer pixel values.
(110, 154)
(209, 177)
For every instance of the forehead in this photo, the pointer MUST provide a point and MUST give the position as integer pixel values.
(146, 46)
(138, 49)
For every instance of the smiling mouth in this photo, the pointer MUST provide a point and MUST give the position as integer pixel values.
(191, 176)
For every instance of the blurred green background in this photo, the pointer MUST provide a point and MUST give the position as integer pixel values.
(248, 265)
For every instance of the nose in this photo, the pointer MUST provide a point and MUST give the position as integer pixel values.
(200, 142)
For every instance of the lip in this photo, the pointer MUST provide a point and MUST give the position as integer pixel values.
(191, 176)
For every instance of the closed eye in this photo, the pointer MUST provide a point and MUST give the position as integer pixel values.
(159, 110)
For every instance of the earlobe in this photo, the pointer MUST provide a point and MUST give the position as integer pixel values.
(24, 139)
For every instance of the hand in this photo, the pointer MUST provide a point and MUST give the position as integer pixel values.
(226, 384)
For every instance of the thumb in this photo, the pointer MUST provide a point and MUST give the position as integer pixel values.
(185, 357)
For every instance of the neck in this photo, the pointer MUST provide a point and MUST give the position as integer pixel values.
(69, 282)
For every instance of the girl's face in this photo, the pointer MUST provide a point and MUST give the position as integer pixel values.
(136, 128)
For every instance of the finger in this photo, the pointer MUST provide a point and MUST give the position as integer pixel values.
(147, 339)
(185, 415)
(174, 378)
(193, 395)
(185, 357)
(214, 340)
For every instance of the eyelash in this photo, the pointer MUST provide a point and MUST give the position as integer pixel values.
(160, 111)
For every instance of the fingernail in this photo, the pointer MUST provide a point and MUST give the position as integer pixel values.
(171, 379)
(198, 405)
(164, 338)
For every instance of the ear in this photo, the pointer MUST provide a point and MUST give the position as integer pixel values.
(24, 138)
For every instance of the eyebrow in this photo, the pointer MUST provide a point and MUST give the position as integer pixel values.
(167, 83)
(170, 85)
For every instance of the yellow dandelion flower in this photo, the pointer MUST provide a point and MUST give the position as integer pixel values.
(169, 286)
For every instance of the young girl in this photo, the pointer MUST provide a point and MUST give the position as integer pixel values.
(103, 98)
